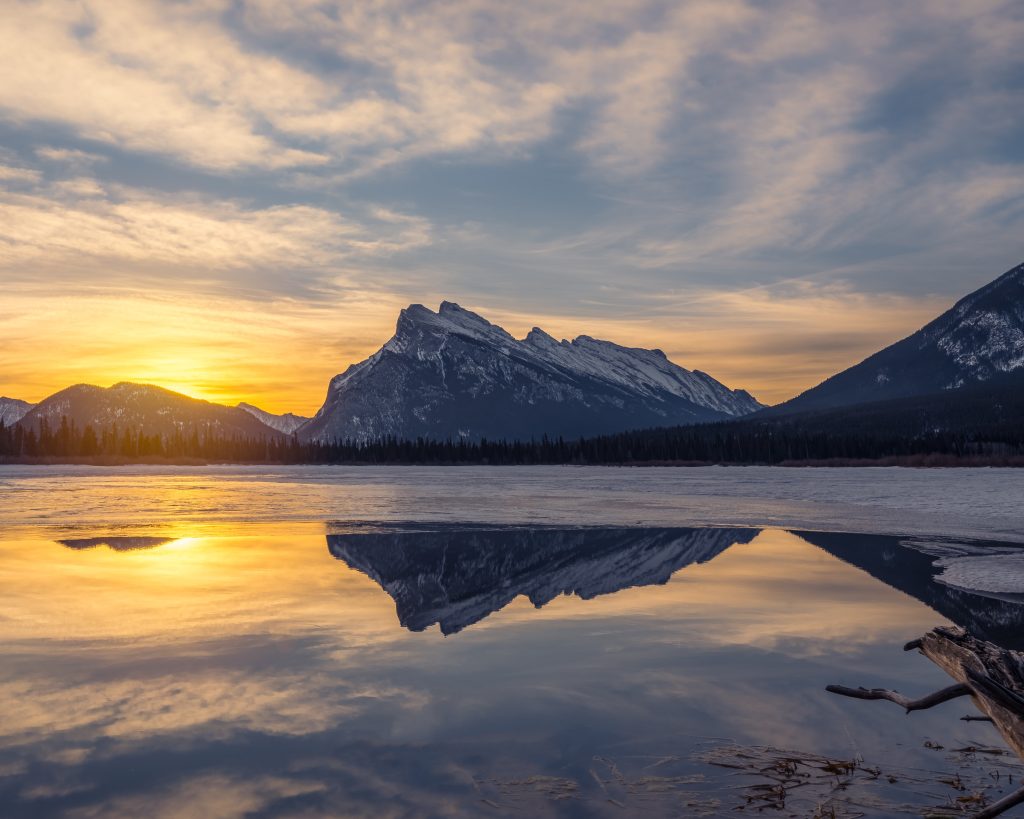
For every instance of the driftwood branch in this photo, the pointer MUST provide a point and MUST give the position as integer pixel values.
(993, 676)
(920, 704)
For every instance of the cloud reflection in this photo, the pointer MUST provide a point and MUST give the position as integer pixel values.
(250, 672)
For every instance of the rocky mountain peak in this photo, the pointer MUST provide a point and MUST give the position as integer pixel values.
(454, 374)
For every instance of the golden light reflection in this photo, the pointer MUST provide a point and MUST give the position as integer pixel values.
(257, 628)
(204, 586)
(274, 576)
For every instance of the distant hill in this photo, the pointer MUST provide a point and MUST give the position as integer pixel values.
(980, 339)
(143, 407)
(453, 374)
(286, 423)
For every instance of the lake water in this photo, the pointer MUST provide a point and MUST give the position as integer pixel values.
(473, 642)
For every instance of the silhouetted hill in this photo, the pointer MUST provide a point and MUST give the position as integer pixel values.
(142, 407)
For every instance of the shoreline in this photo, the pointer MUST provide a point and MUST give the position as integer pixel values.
(932, 461)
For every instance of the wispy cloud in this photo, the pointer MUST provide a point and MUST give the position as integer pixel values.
(81, 224)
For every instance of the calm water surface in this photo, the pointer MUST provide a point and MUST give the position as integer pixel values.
(176, 664)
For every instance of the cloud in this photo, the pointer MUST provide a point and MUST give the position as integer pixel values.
(70, 155)
(81, 223)
(10, 174)
(145, 77)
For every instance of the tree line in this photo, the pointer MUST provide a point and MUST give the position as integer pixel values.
(774, 441)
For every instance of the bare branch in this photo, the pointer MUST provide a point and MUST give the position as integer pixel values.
(935, 698)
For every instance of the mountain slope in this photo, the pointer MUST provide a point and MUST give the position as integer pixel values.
(145, 407)
(453, 374)
(980, 338)
(286, 423)
(13, 410)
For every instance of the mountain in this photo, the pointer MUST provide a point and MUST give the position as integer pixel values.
(143, 406)
(453, 374)
(12, 410)
(456, 576)
(979, 339)
(287, 423)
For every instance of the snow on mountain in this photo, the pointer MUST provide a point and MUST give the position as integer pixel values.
(648, 372)
(980, 339)
(984, 332)
(457, 576)
(453, 374)
(13, 410)
(286, 423)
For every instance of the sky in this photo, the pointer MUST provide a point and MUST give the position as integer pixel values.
(234, 198)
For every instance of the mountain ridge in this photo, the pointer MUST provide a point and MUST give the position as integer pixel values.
(454, 374)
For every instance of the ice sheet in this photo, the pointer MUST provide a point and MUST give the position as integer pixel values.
(966, 503)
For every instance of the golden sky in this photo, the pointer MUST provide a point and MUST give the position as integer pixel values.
(280, 355)
(234, 199)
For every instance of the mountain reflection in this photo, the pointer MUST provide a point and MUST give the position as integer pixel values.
(456, 576)
(913, 572)
(118, 544)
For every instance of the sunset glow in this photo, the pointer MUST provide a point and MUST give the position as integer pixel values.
(234, 200)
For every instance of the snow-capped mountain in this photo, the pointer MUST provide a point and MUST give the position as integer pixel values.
(980, 339)
(286, 423)
(457, 576)
(145, 407)
(13, 410)
(453, 374)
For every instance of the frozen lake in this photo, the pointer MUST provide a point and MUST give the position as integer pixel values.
(984, 503)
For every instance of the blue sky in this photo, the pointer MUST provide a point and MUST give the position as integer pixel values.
(235, 198)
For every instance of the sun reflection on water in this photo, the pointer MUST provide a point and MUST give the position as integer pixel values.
(166, 642)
